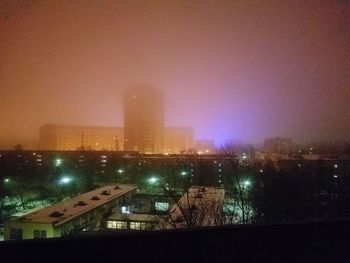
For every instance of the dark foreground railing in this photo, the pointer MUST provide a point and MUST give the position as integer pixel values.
(301, 242)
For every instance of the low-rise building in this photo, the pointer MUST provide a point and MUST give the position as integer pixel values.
(84, 212)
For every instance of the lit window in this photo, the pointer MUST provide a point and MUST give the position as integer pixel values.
(125, 210)
(117, 224)
(162, 206)
(121, 225)
(135, 225)
(138, 225)
(111, 224)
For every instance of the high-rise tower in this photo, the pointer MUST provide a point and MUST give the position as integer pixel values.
(143, 120)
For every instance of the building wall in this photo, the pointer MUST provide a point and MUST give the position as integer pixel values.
(28, 229)
(143, 120)
(70, 138)
(178, 139)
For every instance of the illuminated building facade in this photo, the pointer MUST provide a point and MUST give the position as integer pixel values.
(71, 138)
(143, 120)
(178, 139)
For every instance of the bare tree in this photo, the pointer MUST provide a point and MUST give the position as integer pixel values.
(239, 188)
(198, 206)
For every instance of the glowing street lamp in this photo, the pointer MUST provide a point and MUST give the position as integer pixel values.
(246, 183)
(65, 180)
(7, 180)
(183, 173)
(153, 180)
(120, 171)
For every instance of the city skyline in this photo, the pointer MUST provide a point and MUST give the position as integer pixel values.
(232, 70)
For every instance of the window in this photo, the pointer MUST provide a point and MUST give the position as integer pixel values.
(111, 224)
(138, 225)
(16, 233)
(162, 206)
(117, 224)
(125, 210)
(39, 234)
(121, 225)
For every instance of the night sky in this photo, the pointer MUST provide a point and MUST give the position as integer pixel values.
(231, 69)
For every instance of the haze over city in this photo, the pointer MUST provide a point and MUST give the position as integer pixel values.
(232, 70)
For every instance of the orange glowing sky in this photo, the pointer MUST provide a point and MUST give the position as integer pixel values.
(232, 69)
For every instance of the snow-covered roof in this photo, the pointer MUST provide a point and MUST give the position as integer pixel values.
(67, 210)
(204, 203)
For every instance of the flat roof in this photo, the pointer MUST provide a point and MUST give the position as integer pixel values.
(67, 210)
(206, 199)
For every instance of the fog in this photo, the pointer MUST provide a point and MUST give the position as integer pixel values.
(241, 70)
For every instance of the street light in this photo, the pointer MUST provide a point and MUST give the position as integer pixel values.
(65, 180)
(153, 180)
(183, 173)
(120, 171)
(6, 180)
(246, 183)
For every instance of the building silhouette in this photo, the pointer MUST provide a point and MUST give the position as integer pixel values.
(143, 130)
(178, 139)
(71, 138)
(143, 120)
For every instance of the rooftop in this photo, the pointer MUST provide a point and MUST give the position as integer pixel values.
(73, 207)
(199, 201)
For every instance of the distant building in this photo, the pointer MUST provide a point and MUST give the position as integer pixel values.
(205, 146)
(279, 145)
(83, 212)
(178, 139)
(143, 120)
(70, 138)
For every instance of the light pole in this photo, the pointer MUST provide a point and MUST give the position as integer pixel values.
(65, 182)
(8, 181)
(120, 172)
